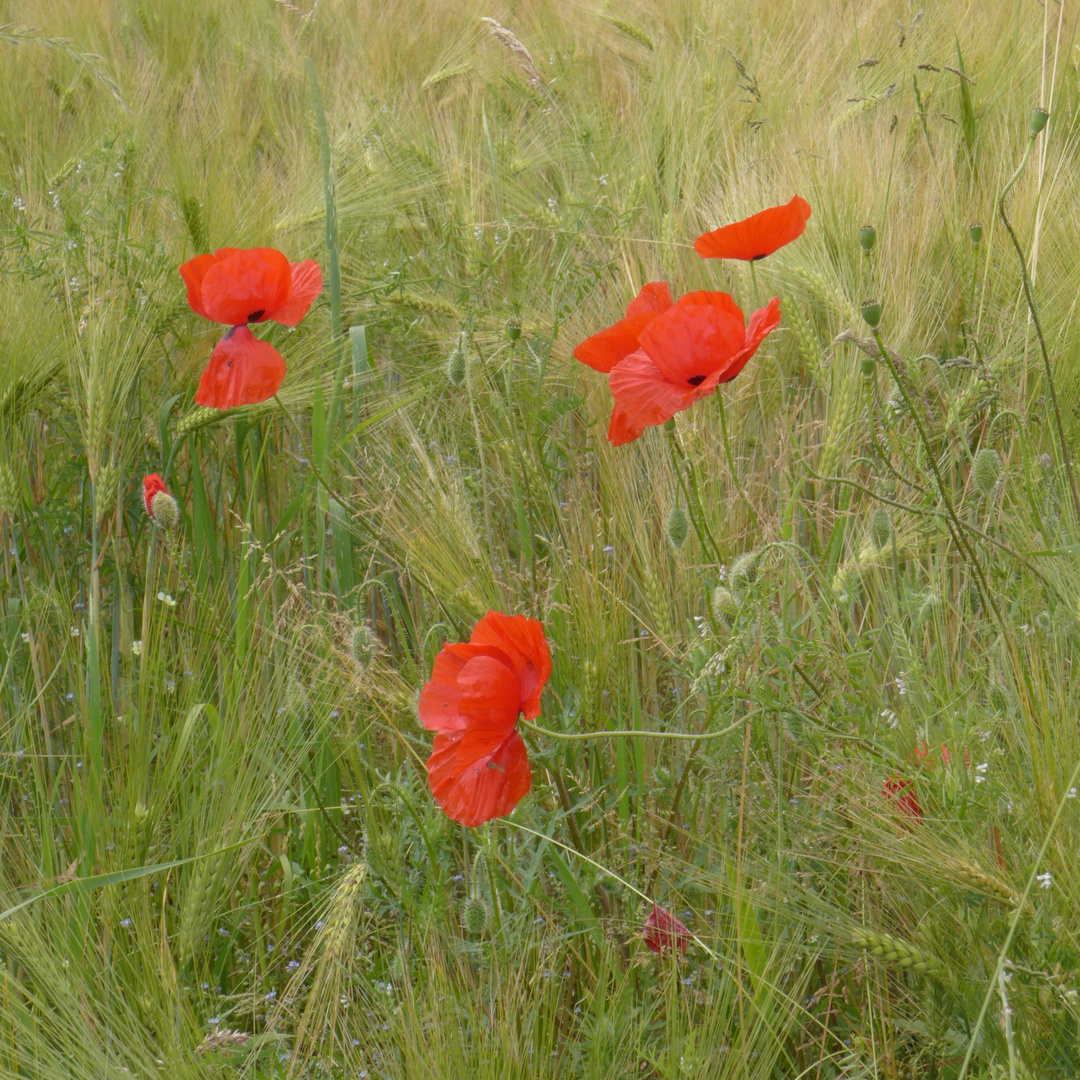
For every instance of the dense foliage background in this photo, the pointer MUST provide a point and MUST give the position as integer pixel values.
(219, 851)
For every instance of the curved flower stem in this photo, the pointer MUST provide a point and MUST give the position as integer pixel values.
(581, 736)
(1028, 295)
(753, 279)
(731, 459)
(693, 494)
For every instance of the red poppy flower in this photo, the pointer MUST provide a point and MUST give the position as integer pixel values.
(243, 370)
(901, 794)
(663, 357)
(237, 285)
(152, 485)
(240, 286)
(479, 769)
(755, 237)
(663, 931)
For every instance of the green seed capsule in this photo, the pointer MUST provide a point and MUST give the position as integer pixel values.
(871, 312)
(868, 238)
(975, 231)
(1039, 118)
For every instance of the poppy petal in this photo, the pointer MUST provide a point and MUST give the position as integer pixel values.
(622, 430)
(440, 698)
(193, 272)
(654, 298)
(762, 323)
(605, 349)
(473, 789)
(757, 236)
(152, 485)
(643, 395)
(245, 285)
(306, 285)
(242, 371)
(522, 641)
(664, 931)
(693, 341)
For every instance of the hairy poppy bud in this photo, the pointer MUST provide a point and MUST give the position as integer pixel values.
(474, 915)
(513, 329)
(987, 471)
(455, 366)
(1039, 118)
(724, 605)
(871, 312)
(677, 527)
(881, 530)
(975, 231)
(160, 505)
(362, 645)
(868, 238)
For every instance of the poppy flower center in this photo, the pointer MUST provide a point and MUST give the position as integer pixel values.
(256, 315)
(758, 258)
(696, 380)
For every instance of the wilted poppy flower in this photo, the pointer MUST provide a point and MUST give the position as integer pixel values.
(663, 931)
(238, 286)
(479, 769)
(664, 356)
(755, 237)
(160, 505)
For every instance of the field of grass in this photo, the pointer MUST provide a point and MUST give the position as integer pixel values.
(220, 855)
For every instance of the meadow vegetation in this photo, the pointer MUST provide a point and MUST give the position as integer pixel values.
(220, 855)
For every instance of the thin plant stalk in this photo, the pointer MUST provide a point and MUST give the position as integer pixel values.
(1029, 297)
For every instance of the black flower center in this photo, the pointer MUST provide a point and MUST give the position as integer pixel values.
(696, 380)
(758, 258)
(256, 315)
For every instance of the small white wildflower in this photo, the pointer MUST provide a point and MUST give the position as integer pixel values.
(75, 631)
(890, 718)
(26, 639)
(1044, 880)
(136, 648)
(166, 599)
(1072, 793)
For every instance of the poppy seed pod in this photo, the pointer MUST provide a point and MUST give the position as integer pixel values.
(868, 238)
(986, 473)
(869, 366)
(975, 231)
(871, 312)
(513, 329)
(677, 527)
(1039, 118)
(881, 529)
(455, 366)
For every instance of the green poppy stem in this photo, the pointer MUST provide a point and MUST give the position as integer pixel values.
(581, 736)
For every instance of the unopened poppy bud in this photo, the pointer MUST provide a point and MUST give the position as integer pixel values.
(871, 312)
(455, 366)
(975, 231)
(677, 527)
(987, 471)
(362, 645)
(474, 915)
(165, 510)
(868, 238)
(881, 529)
(869, 366)
(1039, 118)
(724, 605)
(513, 329)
